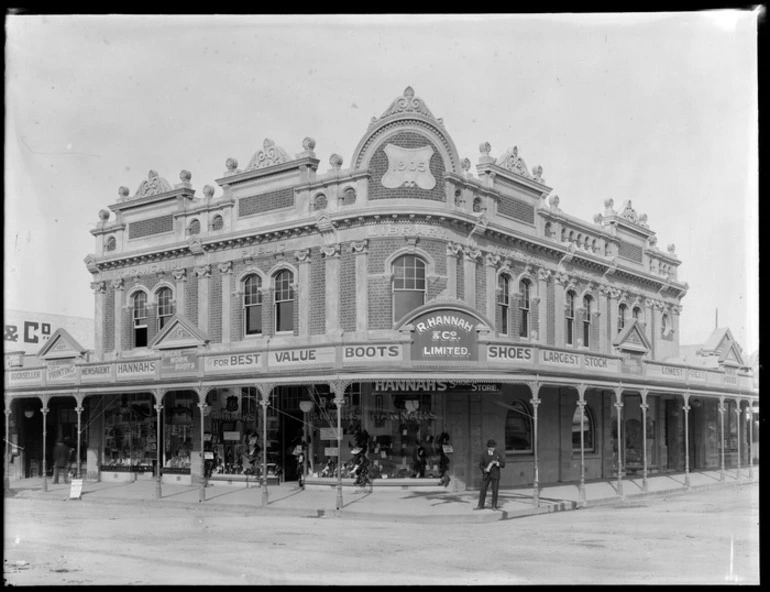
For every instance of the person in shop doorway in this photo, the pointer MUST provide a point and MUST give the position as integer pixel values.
(490, 464)
(61, 457)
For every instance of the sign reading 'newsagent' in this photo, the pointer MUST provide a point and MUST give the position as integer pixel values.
(445, 335)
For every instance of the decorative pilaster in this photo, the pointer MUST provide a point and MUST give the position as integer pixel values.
(543, 277)
(331, 255)
(117, 286)
(226, 271)
(303, 292)
(470, 257)
(561, 280)
(180, 279)
(99, 288)
(202, 406)
(490, 266)
(361, 252)
(604, 319)
(452, 252)
(203, 273)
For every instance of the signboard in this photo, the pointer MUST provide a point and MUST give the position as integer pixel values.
(669, 372)
(177, 363)
(578, 361)
(699, 375)
(135, 370)
(301, 357)
(631, 363)
(352, 354)
(445, 336)
(29, 331)
(328, 433)
(231, 436)
(331, 451)
(245, 362)
(24, 377)
(76, 488)
(66, 372)
(507, 354)
(96, 373)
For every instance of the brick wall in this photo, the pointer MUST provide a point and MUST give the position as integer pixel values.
(127, 338)
(191, 297)
(498, 319)
(274, 200)
(380, 303)
(460, 279)
(515, 313)
(109, 320)
(435, 288)
(534, 318)
(629, 251)
(215, 306)
(379, 166)
(151, 226)
(437, 250)
(516, 209)
(317, 293)
(347, 292)
(379, 250)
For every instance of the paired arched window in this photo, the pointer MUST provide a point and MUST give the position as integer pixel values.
(408, 285)
(503, 302)
(586, 426)
(165, 306)
(139, 318)
(252, 305)
(524, 290)
(284, 301)
(622, 311)
(518, 429)
(194, 228)
(587, 302)
(569, 314)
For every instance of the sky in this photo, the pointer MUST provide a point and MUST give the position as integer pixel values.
(657, 108)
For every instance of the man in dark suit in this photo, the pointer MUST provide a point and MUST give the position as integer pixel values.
(490, 464)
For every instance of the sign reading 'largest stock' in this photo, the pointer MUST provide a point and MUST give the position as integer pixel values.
(445, 336)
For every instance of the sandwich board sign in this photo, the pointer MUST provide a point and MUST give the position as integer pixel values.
(76, 488)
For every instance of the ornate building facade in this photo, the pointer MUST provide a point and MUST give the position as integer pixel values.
(414, 299)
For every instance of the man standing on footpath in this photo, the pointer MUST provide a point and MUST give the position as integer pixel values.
(490, 465)
(61, 457)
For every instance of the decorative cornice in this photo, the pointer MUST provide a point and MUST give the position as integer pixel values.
(153, 185)
(99, 287)
(117, 284)
(203, 271)
(330, 251)
(360, 248)
(407, 103)
(302, 256)
(180, 274)
(270, 155)
(226, 267)
(511, 161)
(544, 275)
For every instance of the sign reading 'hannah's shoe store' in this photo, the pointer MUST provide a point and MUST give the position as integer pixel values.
(445, 336)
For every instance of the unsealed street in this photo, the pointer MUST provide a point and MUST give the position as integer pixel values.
(706, 537)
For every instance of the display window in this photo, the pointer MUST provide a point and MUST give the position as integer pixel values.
(178, 432)
(130, 442)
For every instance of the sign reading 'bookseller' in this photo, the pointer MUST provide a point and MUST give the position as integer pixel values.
(446, 335)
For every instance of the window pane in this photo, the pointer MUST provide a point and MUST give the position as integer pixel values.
(405, 302)
(284, 316)
(253, 320)
(588, 435)
(518, 429)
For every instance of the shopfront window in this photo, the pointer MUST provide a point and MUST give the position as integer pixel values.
(178, 432)
(408, 285)
(130, 441)
(518, 429)
(232, 432)
(584, 424)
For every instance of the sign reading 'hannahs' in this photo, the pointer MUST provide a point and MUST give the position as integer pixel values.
(135, 370)
(445, 336)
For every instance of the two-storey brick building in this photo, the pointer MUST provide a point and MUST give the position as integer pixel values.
(416, 298)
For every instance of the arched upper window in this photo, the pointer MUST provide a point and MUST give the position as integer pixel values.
(524, 289)
(217, 223)
(320, 202)
(284, 301)
(569, 313)
(408, 285)
(518, 429)
(476, 204)
(111, 243)
(348, 196)
(503, 303)
(165, 306)
(622, 311)
(252, 305)
(586, 427)
(139, 318)
(665, 324)
(547, 230)
(637, 312)
(194, 228)
(587, 302)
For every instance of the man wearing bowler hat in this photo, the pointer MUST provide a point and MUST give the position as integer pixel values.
(490, 464)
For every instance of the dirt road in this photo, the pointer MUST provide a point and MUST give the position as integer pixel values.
(709, 537)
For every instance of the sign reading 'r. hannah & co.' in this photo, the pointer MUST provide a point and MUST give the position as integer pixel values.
(445, 335)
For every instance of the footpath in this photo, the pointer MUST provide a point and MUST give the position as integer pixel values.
(383, 503)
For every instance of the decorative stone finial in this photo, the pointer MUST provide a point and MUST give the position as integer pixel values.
(553, 201)
(653, 240)
(511, 161)
(308, 144)
(643, 220)
(123, 192)
(537, 174)
(408, 92)
(336, 161)
(608, 205)
(154, 185)
(466, 164)
(485, 148)
(671, 248)
(269, 156)
(231, 164)
(104, 215)
(598, 218)
(208, 191)
(629, 213)
(185, 176)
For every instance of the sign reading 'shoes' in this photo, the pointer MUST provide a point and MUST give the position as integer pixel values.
(445, 335)
(408, 167)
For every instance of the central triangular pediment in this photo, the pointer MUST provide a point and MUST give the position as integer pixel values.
(61, 346)
(179, 332)
(632, 338)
